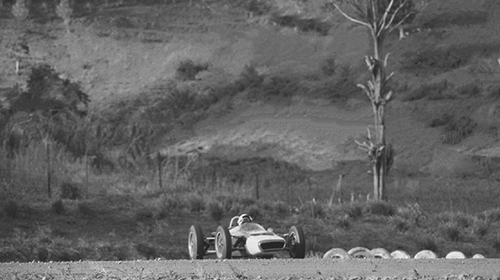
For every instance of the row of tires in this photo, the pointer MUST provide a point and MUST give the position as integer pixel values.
(381, 253)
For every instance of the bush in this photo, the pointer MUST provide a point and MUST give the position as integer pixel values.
(305, 25)
(249, 78)
(147, 250)
(70, 191)
(329, 66)
(380, 208)
(353, 211)
(426, 242)
(400, 224)
(257, 8)
(435, 91)
(458, 129)
(280, 208)
(12, 209)
(58, 207)
(480, 228)
(491, 216)
(341, 87)
(85, 209)
(196, 203)
(188, 70)
(275, 87)
(413, 214)
(451, 231)
(442, 120)
(215, 210)
(166, 205)
(313, 209)
(436, 61)
(469, 90)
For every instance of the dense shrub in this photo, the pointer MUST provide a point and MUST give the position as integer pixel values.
(196, 203)
(434, 91)
(249, 78)
(426, 242)
(441, 120)
(400, 224)
(458, 129)
(436, 61)
(305, 25)
(58, 207)
(342, 85)
(188, 70)
(280, 208)
(480, 228)
(147, 250)
(313, 210)
(85, 209)
(353, 211)
(12, 209)
(451, 231)
(215, 210)
(70, 191)
(469, 90)
(491, 216)
(380, 208)
(413, 214)
(257, 7)
(454, 18)
(57, 107)
(329, 66)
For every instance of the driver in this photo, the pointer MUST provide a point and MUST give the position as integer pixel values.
(244, 218)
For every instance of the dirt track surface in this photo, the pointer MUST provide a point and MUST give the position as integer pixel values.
(277, 268)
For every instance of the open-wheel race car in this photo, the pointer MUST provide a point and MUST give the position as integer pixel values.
(247, 238)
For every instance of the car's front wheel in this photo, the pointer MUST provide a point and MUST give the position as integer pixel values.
(297, 242)
(195, 242)
(223, 245)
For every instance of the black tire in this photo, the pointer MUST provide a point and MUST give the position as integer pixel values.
(297, 243)
(223, 245)
(196, 243)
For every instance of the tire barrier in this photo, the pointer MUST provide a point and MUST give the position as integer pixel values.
(360, 253)
(426, 254)
(380, 253)
(478, 256)
(400, 254)
(337, 253)
(455, 255)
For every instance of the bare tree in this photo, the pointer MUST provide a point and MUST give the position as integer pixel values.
(380, 17)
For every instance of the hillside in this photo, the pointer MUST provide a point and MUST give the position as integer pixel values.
(266, 96)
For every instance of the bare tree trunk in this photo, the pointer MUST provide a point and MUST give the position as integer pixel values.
(378, 104)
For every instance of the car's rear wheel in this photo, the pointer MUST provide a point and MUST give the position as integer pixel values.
(297, 242)
(223, 245)
(195, 242)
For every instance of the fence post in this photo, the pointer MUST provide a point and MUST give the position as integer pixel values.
(339, 188)
(158, 158)
(49, 175)
(256, 186)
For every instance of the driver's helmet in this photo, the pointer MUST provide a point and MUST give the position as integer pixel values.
(244, 218)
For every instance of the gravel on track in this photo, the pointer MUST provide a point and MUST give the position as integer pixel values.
(310, 268)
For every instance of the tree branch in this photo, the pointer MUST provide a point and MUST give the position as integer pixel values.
(351, 18)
